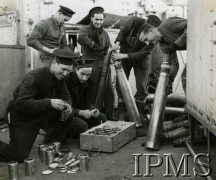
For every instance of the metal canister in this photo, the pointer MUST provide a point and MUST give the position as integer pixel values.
(83, 162)
(29, 166)
(39, 146)
(49, 156)
(13, 170)
(172, 126)
(175, 134)
(57, 146)
(51, 146)
(43, 154)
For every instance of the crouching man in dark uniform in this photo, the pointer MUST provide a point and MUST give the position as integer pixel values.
(172, 37)
(41, 100)
(83, 90)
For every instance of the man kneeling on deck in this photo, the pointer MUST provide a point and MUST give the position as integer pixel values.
(41, 100)
(83, 91)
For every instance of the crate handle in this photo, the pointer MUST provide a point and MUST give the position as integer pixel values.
(90, 153)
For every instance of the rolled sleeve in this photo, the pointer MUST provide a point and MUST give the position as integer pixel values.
(36, 35)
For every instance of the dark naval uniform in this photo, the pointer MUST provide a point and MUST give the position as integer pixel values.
(138, 54)
(49, 33)
(83, 95)
(95, 44)
(31, 110)
(174, 38)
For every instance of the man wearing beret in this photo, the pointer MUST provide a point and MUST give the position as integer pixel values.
(82, 91)
(95, 43)
(49, 34)
(172, 37)
(134, 53)
(41, 100)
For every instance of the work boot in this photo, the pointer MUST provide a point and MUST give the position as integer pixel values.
(121, 111)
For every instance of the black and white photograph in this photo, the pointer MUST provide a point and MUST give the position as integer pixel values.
(107, 89)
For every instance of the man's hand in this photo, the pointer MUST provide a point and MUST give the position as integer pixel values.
(115, 47)
(85, 113)
(48, 50)
(118, 56)
(95, 113)
(68, 111)
(58, 104)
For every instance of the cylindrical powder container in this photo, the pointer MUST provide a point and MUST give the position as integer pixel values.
(13, 170)
(57, 146)
(83, 162)
(29, 166)
(43, 154)
(49, 156)
(39, 146)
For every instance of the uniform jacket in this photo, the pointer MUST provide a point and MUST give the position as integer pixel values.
(82, 94)
(32, 97)
(95, 42)
(129, 42)
(173, 30)
(47, 33)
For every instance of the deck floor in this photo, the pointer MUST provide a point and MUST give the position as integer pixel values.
(110, 166)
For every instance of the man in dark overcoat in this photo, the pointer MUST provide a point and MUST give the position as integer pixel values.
(95, 43)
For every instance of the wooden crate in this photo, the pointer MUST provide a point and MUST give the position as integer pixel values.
(108, 143)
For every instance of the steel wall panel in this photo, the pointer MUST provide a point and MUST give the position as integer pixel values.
(201, 62)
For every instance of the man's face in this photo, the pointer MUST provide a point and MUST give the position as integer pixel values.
(149, 37)
(63, 18)
(61, 70)
(84, 74)
(97, 20)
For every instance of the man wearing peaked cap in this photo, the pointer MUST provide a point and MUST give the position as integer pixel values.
(39, 102)
(65, 56)
(82, 91)
(49, 34)
(66, 11)
(95, 42)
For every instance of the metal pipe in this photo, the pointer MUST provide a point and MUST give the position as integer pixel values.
(157, 115)
(18, 27)
(170, 112)
(103, 82)
(173, 112)
(172, 99)
(181, 118)
(172, 126)
(129, 101)
(175, 134)
(193, 153)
